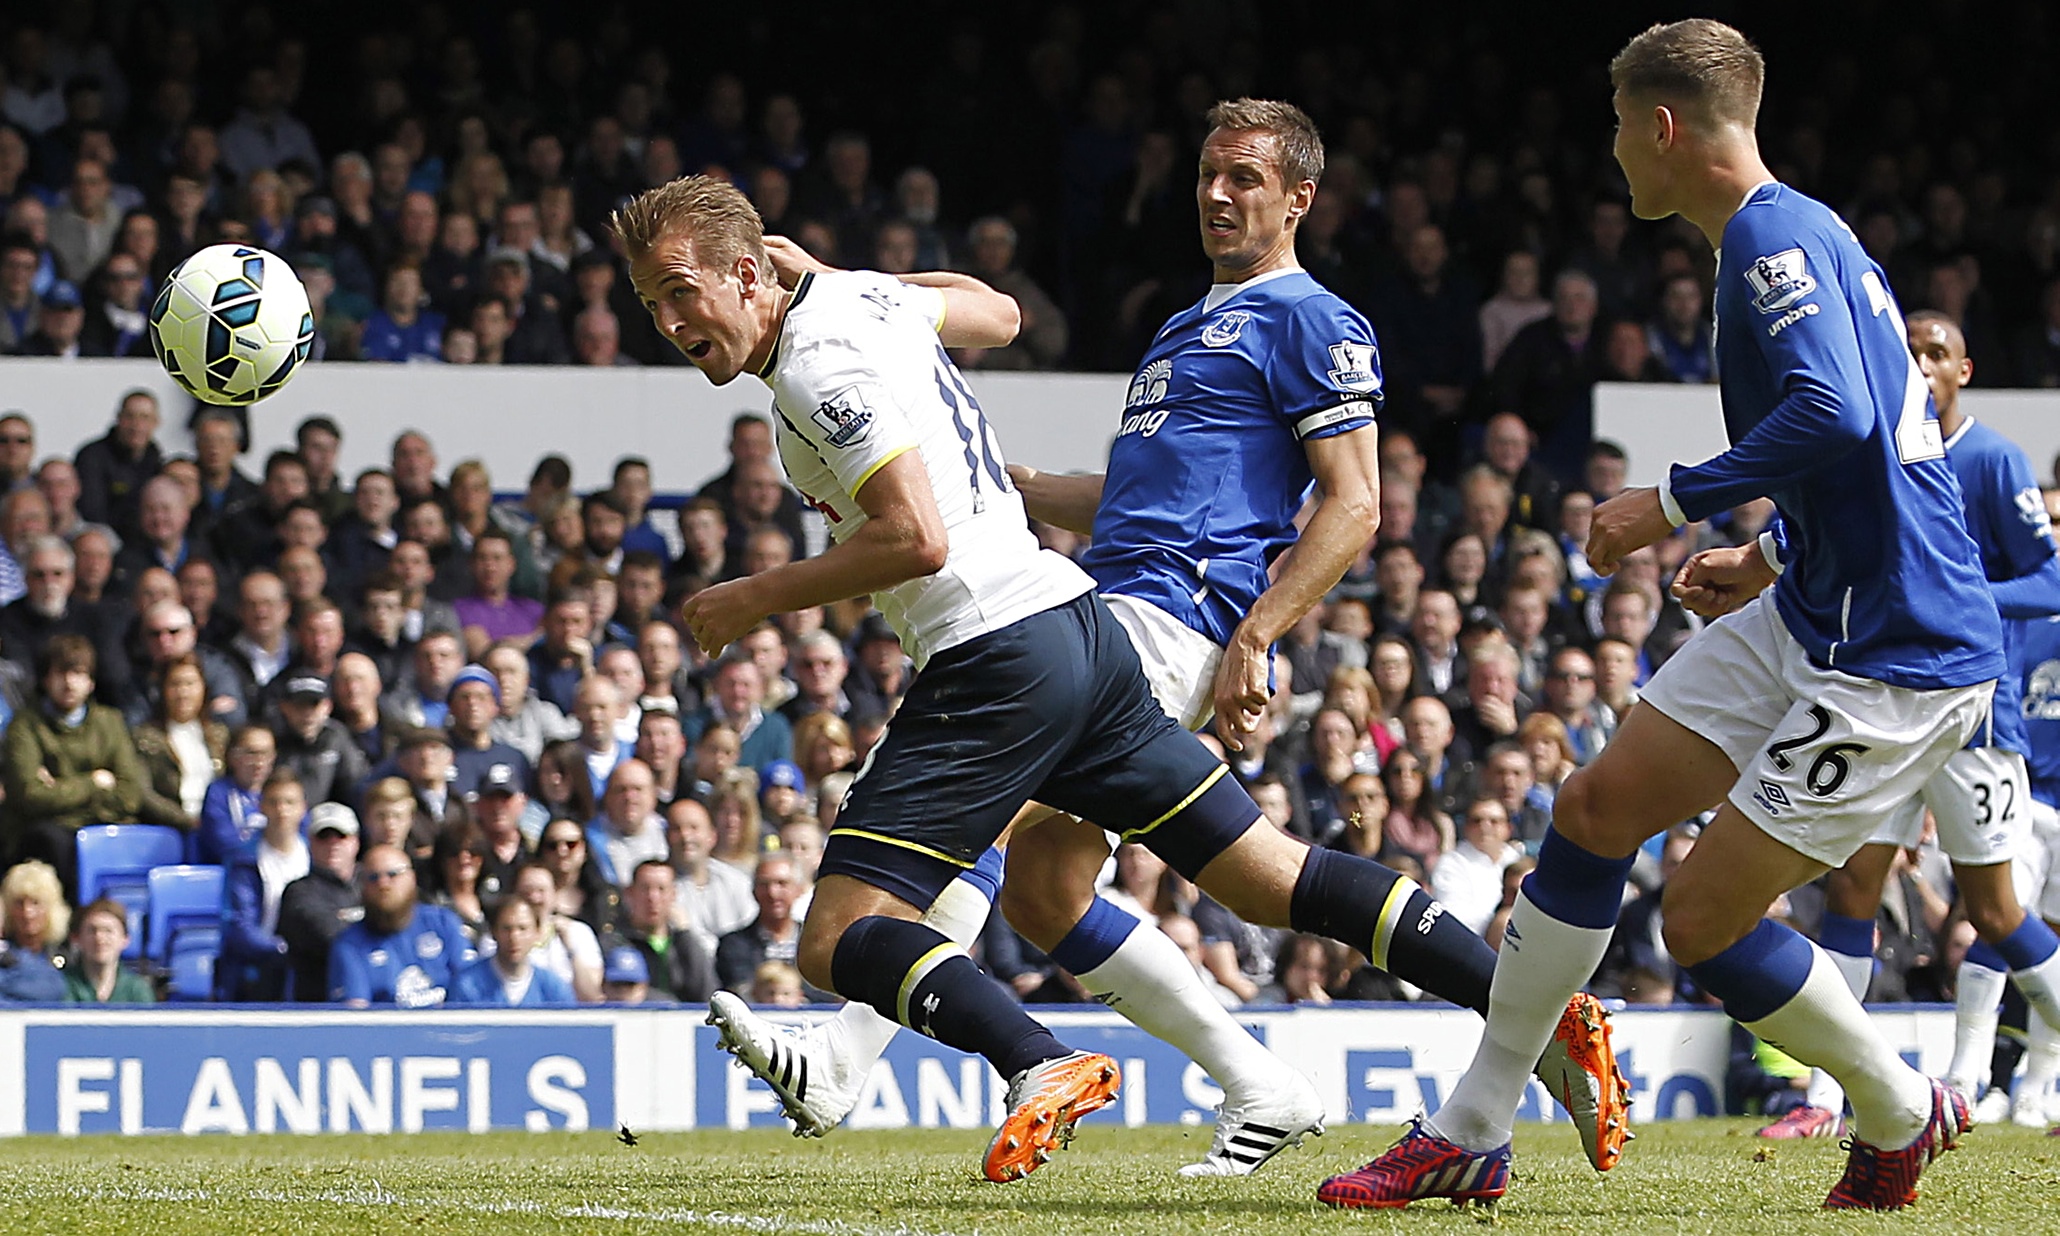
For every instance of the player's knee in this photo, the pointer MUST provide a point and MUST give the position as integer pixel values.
(1578, 812)
(1041, 908)
(1697, 924)
(812, 957)
(1993, 921)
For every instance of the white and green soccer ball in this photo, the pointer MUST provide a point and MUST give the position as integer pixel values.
(231, 324)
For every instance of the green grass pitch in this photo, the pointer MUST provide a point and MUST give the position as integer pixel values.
(1708, 1176)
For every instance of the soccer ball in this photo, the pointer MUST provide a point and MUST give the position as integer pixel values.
(232, 324)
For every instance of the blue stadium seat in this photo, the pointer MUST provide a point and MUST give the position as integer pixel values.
(185, 912)
(115, 861)
(192, 975)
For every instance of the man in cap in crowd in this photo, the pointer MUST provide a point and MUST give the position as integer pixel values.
(316, 908)
(497, 804)
(315, 744)
(625, 979)
(474, 701)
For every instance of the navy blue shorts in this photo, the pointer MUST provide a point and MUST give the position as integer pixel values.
(1053, 708)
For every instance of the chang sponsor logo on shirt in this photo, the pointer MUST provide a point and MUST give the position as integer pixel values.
(1147, 389)
(2042, 693)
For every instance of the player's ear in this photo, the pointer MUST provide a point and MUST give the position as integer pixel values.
(1966, 370)
(1300, 198)
(1666, 126)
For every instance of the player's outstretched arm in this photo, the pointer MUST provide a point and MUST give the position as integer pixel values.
(1067, 502)
(902, 539)
(1347, 470)
(975, 315)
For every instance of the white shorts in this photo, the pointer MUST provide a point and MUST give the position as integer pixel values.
(2036, 868)
(1179, 661)
(1982, 802)
(1822, 756)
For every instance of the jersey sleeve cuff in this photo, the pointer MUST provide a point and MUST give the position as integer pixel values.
(1666, 500)
(1770, 549)
(1348, 415)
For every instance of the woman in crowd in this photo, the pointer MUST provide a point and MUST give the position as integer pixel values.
(1463, 567)
(1544, 739)
(1351, 690)
(1415, 825)
(559, 534)
(562, 783)
(738, 826)
(456, 861)
(33, 919)
(822, 745)
(565, 946)
(1392, 663)
(184, 750)
(578, 888)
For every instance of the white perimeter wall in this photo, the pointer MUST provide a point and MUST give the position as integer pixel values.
(509, 417)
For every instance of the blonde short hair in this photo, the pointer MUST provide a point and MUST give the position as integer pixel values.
(1702, 66)
(720, 220)
(38, 880)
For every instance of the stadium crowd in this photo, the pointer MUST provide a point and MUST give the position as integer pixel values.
(426, 732)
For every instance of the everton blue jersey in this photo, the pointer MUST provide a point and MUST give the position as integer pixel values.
(2007, 519)
(2038, 650)
(415, 967)
(1208, 467)
(1829, 416)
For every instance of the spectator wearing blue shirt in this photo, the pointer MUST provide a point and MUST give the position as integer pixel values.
(565, 654)
(253, 966)
(230, 814)
(507, 979)
(475, 700)
(402, 953)
(402, 329)
(736, 699)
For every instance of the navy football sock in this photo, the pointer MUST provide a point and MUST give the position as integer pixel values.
(1387, 916)
(916, 976)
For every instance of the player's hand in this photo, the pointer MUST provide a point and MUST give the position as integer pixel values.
(720, 614)
(1717, 581)
(1624, 525)
(1240, 692)
(790, 261)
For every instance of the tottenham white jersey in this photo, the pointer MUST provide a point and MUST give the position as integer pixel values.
(858, 379)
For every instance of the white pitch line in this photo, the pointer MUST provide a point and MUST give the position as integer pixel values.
(379, 1195)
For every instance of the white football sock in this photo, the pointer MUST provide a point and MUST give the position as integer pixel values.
(1974, 1025)
(1148, 980)
(1825, 1026)
(1543, 962)
(2041, 1066)
(857, 1034)
(2041, 987)
(1858, 973)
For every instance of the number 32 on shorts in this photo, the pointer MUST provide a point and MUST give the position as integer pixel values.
(1833, 764)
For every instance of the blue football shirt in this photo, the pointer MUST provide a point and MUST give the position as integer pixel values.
(2007, 518)
(1208, 467)
(1829, 416)
(415, 967)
